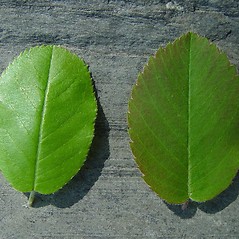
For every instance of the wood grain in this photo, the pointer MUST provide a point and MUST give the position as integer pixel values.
(108, 198)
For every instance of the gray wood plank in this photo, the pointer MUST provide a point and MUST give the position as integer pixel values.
(108, 198)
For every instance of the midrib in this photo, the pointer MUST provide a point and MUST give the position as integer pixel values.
(189, 122)
(42, 121)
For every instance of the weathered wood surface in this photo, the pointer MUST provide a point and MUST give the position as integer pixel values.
(108, 198)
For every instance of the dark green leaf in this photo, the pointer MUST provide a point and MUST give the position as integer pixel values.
(184, 121)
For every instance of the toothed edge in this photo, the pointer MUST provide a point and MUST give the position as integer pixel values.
(14, 61)
(137, 84)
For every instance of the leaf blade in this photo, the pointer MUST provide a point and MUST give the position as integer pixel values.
(59, 86)
(169, 93)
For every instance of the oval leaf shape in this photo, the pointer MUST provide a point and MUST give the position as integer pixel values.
(47, 114)
(184, 121)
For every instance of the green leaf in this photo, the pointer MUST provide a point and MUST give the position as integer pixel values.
(47, 114)
(184, 121)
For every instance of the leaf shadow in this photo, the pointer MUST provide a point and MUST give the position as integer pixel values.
(223, 200)
(85, 179)
(212, 206)
(187, 213)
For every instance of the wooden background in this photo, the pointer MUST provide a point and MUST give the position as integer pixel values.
(108, 198)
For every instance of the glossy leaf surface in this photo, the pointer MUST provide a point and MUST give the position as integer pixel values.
(184, 121)
(47, 113)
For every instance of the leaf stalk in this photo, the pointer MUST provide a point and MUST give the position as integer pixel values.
(31, 198)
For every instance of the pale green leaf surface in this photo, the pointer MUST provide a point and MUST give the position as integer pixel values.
(47, 114)
(184, 121)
